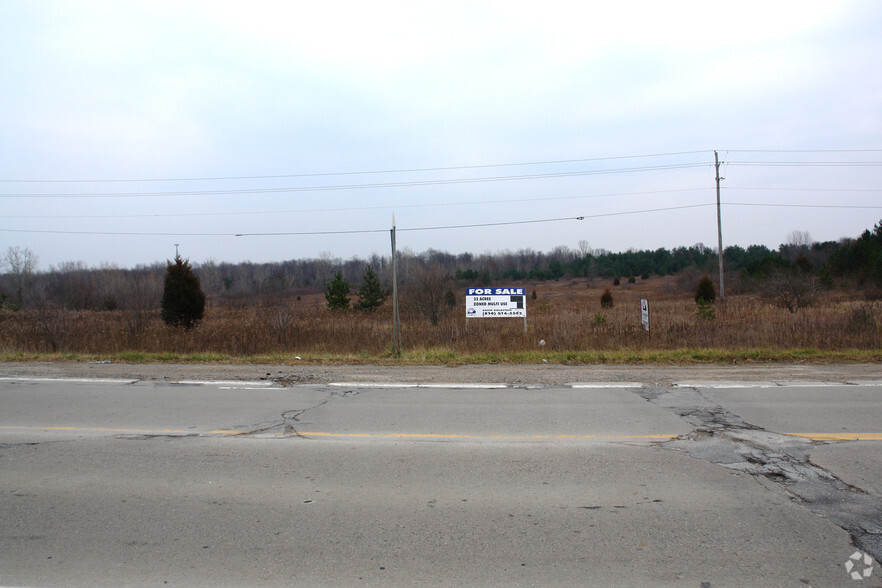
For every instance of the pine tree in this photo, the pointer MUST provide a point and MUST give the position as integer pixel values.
(371, 294)
(336, 294)
(705, 290)
(183, 301)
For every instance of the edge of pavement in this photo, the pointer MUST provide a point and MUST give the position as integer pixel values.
(509, 374)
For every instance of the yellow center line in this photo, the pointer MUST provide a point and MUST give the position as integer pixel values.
(466, 436)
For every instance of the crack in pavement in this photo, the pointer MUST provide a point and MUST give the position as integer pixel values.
(287, 426)
(724, 438)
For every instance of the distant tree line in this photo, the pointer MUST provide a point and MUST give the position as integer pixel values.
(73, 285)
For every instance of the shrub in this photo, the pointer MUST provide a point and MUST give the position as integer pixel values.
(790, 289)
(705, 290)
(450, 299)
(617, 281)
(606, 299)
(705, 310)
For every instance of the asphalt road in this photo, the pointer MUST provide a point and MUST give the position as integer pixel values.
(617, 484)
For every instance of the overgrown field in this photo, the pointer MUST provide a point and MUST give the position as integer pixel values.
(567, 316)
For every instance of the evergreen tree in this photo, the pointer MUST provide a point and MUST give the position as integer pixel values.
(336, 294)
(183, 301)
(705, 291)
(371, 294)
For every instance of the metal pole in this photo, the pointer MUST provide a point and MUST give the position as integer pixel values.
(719, 226)
(396, 324)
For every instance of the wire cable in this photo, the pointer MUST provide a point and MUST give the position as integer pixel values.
(294, 189)
(352, 173)
(351, 232)
(359, 208)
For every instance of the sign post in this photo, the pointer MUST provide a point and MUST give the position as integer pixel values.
(496, 303)
(644, 314)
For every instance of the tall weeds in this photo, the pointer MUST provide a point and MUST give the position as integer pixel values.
(567, 320)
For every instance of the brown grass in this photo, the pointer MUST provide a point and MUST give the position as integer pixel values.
(567, 315)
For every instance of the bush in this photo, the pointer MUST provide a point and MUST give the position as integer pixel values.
(790, 289)
(705, 310)
(606, 299)
(705, 291)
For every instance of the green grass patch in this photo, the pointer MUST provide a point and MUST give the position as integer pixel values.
(445, 356)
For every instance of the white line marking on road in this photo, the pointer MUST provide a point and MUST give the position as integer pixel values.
(236, 383)
(66, 380)
(776, 384)
(445, 386)
(606, 385)
(718, 385)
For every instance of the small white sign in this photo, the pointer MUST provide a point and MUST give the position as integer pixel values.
(644, 313)
(496, 302)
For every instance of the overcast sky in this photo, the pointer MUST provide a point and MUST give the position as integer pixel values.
(156, 123)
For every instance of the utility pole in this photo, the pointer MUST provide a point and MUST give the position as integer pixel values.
(719, 226)
(396, 321)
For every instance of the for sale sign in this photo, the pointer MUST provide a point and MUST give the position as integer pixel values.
(496, 302)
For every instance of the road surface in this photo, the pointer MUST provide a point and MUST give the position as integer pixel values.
(347, 483)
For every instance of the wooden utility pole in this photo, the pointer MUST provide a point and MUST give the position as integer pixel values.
(396, 322)
(719, 226)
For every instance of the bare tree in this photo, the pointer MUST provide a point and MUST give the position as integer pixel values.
(790, 289)
(426, 291)
(584, 247)
(142, 292)
(279, 318)
(325, 267)
(210, 277)
(22, 264)
(801, 239)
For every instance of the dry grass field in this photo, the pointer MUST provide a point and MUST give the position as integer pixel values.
(567, 315)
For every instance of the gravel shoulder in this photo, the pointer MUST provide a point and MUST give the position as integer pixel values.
(514, 375)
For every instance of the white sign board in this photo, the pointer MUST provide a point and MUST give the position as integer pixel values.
(496, 302)
(644, 313)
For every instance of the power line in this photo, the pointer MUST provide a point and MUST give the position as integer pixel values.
(429, 228)
(802, 150)
(350, 173)
(349, 232)
(279, 234)
(472, 226)
(770, 204)
(805, 163)
(805, 189)
(358, 208)
(413, 183)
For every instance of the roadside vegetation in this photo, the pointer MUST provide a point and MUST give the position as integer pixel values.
(804, 302)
